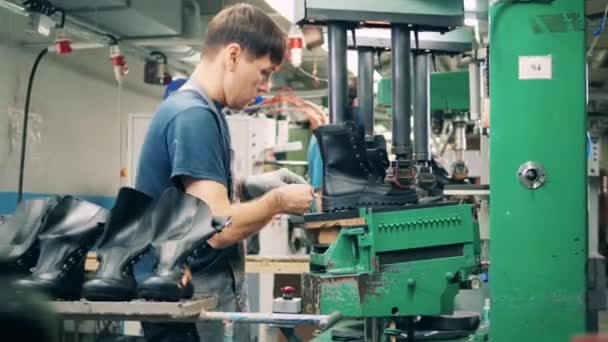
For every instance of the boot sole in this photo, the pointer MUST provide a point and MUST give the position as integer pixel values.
(336, 203)
(168, 294)
(109, 294)
(108, 297)
(165, 292)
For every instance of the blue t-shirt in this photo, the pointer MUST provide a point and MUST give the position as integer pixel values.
(185, 138)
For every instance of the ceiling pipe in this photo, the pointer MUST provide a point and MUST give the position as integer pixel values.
(192, 31)
(11, 7)
(91, 33)
(163, 41)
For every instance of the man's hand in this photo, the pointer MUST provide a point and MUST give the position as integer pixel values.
(257, 185)
(315, 119)
(292, 199)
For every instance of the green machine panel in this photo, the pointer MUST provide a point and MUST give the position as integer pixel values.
(400, 262)
(538, 219)
(452, 42)
(449, 91)
(435, 14)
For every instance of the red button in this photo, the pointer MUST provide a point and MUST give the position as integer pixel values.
(288, 290)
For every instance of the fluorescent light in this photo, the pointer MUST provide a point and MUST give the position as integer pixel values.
(373, 33)
(470, 5)
(285, 8)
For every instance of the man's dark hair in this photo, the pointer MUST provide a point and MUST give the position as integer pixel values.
(249, 27)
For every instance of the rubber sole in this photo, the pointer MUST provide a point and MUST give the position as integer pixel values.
(158, 295)
(335, 203)
(108, 294)
(167, 292)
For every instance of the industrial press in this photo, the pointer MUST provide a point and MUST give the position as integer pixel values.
(393, 272)
(384, 266)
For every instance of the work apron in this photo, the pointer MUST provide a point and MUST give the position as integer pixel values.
(228, 285)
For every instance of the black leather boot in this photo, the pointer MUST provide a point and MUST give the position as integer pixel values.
(70, 230)
(19, 243)
(127, 236)
(184, 224)
(377, 155)
(350, 179)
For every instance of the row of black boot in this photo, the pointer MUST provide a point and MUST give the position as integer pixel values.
(48, 239)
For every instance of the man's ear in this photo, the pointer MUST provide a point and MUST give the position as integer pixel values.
(232, 56)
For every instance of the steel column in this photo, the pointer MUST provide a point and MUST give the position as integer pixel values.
(422, 114)
(402, 102)
(337, 72)
(475, 90)
(365, 89)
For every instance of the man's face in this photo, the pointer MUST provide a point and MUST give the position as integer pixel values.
(250, 78)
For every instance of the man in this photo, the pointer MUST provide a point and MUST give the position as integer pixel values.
(188, 146)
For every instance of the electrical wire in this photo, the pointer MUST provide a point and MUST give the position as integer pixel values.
(113, 39)
(598, 32)
(62, 12)
(283, 99)
(45, 7)
(26, 115)
(124, 171)
(312, 76)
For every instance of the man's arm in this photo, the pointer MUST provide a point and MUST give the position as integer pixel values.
(249, 217)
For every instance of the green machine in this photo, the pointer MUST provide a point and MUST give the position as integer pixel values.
(538, 170)
(385, 266)
(394, 262)
(449, 91)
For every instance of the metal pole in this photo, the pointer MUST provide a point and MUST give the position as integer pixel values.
(460, 136)
(411, 333)
(228, 331)
(290, 334)
(133, 311)
(475, 90)
(337, 72)
(422, 114)
(400, 41)
(365, 89)
(323, 321)
(371, 329)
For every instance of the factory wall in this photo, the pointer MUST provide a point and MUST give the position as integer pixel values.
(74, 142)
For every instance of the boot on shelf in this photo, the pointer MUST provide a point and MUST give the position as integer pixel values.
(19, 244)
(127, 236)
(183, 224)
(71, 229)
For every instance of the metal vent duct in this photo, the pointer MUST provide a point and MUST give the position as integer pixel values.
(130, 19)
